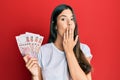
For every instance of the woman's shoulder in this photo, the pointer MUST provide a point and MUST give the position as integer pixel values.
(83, 45)
(86, 50)
(46, 46)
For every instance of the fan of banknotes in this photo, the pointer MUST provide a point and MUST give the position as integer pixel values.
(29, 43)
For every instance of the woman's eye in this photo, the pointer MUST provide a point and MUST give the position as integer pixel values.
(62, 19)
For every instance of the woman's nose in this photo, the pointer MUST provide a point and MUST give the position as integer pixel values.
(69, 22)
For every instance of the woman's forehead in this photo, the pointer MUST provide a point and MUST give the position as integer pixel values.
(66, 13)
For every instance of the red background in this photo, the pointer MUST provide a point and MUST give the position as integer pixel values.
(99, 27)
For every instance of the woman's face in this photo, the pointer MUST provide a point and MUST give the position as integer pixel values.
(65, 20)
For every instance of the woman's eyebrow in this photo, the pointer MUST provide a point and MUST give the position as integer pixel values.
(65, 16)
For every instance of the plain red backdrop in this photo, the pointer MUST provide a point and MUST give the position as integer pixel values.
(99, 27)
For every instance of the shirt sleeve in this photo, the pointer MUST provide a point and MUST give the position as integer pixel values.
(39, 56)
(86, 50)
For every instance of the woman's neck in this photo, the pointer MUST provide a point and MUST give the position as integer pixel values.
(59, 44)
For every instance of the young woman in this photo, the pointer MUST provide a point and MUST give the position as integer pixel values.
(63, 57)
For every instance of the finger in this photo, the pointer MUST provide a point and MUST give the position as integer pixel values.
(63, 36)
(72, 33)
(76, 39)
(31, 61)
(67, 34)
(26, 58)
(33, 64)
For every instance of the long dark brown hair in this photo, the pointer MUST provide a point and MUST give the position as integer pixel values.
(84, 64)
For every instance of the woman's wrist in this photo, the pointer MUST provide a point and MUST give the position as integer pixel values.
(35, 77)
(69, 52)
